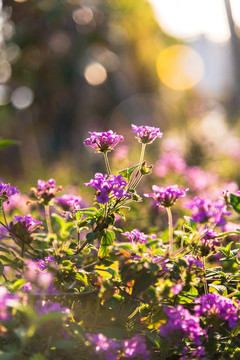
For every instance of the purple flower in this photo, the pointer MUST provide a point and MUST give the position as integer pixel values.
(209, 241)
(103, 141)
(46, 190)
(104, 346)
(69, 202)
(42, 264)
(217, 306)
(199, 179)
(136, 347)
(108, 187)
(6, 191)
(182, 322)
(44, 307)
(206, 210)
(22, 228)
(3, 232)
(136, 236)
(166, 197)
(146, 134)
(27, 287)
(177, 288)
(192, 261)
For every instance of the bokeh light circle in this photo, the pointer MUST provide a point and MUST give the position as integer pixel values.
(179, 67)
(22, 97)
(95, 74)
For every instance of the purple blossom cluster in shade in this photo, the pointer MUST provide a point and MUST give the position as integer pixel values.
(107, 188)
(42, 264)
(209, 241)
(6, 191)
(46, 190)
(111, 350)
(27, 222)
(45, 307)
(206, 210)
(69, 202)
(197, 354)
(22, 227)
(103, 141)
(192, 261)
(180, 320)
(146, 134)
(166, 197)
(6, 299)
(136, 236)
(219, 306)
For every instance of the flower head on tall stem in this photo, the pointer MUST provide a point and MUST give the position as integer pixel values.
(22, 228)
(103, 141)
(166, 197)
(146, 134)
(46, 190)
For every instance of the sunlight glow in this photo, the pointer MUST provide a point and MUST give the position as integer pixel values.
(188, 19)
(179, 67)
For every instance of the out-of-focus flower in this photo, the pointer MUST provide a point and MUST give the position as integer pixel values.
(170, 161)
(104, 346)
(215, 305)
(6, 191)
(6, 299)
(136, 347)
(69, 202)
(27, 287)
(146, 134)
(17, 201)
(136, 236)
(46, 190)
(181, 322)
(103, 141)
(108, 187)
(177, 288)
(199, 179)
(22, 227)
(206, 210)
(166, 197)
(3, 232)
(44, 307)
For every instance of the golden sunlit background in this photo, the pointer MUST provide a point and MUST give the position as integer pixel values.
(72, 66)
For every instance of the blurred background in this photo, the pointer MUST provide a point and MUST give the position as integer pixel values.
(72, 66)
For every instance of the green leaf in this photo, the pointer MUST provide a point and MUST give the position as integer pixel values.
(1, 268)
(221, 289)
(38, 356)
(127, 172)
(64, 344)
(81, 276)
(108, 238)
(92, 236)
(5, 142)
(235, 202)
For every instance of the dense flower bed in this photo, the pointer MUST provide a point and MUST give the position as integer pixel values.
(78, 283)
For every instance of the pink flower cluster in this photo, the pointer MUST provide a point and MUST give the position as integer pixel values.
(136, 236)
(146, 134)
(103, 141)
(166, 197)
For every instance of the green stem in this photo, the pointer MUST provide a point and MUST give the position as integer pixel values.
(141, 157)
(4, 216)
(170, 227)
(107, 163)
(48, 219)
